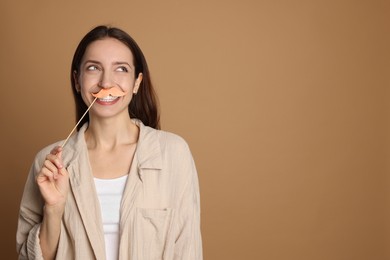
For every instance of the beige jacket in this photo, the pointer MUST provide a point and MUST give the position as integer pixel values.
(160, 211)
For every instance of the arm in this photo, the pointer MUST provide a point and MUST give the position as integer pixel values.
(30, 217)
(189, 242)
(50, 230)
(42, 207)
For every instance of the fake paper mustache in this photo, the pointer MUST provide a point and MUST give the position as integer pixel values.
(105, 92)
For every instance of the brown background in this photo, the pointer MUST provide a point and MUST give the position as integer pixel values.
(285, 105)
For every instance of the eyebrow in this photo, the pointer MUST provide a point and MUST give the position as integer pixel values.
(115, 63)
(123, 63)
(91, 61)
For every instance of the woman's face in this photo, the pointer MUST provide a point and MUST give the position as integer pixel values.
(107, 63)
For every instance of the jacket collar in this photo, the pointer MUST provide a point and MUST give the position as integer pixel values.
(148, 151)
(148, 148)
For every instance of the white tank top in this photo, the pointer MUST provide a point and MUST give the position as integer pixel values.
(109, 192)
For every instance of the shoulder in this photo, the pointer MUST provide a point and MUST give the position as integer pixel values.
(74, 145)
(71, 150)
(169, 141)
(175, 150)
(174, 153)
(173, 140)
(41, 155)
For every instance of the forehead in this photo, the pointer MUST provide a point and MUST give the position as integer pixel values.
(108, 49)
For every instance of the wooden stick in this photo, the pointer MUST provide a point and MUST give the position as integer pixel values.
(74, 128)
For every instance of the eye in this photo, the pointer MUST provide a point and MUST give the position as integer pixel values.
(92, 68)
(122, 69)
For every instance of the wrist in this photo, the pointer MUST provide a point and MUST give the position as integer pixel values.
(54, 210)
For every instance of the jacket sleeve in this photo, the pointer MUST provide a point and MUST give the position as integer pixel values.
(188, 244)
(30, 218)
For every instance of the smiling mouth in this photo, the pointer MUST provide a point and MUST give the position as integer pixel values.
(108, 98)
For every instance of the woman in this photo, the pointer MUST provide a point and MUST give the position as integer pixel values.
(120, 188)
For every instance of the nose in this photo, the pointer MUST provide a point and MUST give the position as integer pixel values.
(106, 80)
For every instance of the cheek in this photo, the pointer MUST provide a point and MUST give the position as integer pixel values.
(129, 97)
(85, 99)
(125, 82)
(89, 80)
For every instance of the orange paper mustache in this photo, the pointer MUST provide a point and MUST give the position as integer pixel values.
(104, 92)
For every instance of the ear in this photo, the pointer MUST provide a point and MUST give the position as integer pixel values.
(137, 83)
(76, 81)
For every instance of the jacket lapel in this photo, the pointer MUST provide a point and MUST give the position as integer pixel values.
(149, 148)
(147, 156)
(83, 187)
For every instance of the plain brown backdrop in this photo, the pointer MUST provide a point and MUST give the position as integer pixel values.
(285, 105)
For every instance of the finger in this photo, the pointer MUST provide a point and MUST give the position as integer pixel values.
(63, 172)
(59, 157)
(50, 166)
(56, 150)
(44, 175)
(55, 160)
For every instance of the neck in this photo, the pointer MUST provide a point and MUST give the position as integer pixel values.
(109, 133)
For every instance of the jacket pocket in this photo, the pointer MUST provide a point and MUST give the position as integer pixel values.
(152, 230)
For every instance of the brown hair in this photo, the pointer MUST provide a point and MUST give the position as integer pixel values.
(144, 105)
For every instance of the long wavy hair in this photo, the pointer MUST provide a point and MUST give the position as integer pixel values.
(144, 105)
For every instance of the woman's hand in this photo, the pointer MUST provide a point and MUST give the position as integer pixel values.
(53, 180)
